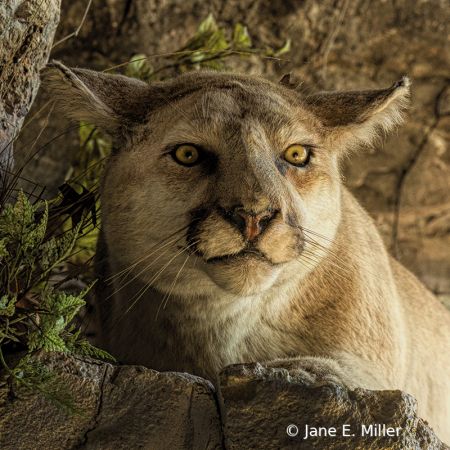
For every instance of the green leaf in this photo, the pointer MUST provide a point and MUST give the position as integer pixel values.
(60, 309)
(6, 334)
(139, 67)
(36, 234)
(22, 210)
(207, 37)
(57, 250)
(42, 227)
(85, 132)
(33, 375)
(241, 39)
(61, 303)
(217, 41)
(16, 222)
(49, 340)
(49, 254)
(275, 53)
(3, 249)
(286, 48)
(82, 347)
(209, 25)
(7, 305)
(94, 144)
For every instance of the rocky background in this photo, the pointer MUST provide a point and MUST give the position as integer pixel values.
(336, 44)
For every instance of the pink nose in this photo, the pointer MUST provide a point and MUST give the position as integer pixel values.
(254, 223)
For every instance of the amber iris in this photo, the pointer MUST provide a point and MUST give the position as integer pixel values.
(187, 155)
(297, 155)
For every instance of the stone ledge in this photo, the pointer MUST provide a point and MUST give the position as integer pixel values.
(260, 404)
(130, 407)
(127, 407)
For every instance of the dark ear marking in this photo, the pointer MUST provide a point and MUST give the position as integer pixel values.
(405, 81)
(286, 81)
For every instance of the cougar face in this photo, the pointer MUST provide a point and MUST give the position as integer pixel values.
(221, 183)
(234, 217)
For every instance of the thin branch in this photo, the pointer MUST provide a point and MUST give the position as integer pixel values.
(75, 33)
(333, 36)
(187, 52)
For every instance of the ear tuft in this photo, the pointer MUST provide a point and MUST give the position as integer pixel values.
(405, 81)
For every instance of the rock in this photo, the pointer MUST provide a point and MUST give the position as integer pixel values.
(27, 28)
(261, 406)
(127, 407)
(142, 408)
(131, 407)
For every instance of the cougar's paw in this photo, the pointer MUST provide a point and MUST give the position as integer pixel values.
(315, 370)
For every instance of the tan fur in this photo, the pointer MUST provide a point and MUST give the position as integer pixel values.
(316, 293)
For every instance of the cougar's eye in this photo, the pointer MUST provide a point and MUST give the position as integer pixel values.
(297, 155)
(187, 155)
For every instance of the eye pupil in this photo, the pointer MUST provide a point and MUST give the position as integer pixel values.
(186, 155)
(297, 155)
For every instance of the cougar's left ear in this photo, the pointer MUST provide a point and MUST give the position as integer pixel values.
(355, 118)
(114, 103)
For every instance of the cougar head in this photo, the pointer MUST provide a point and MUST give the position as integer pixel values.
(221, 182)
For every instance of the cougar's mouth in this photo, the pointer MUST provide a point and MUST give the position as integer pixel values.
(250, 252)
(245, 254)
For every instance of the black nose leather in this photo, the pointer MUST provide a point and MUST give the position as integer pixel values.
(249, 224)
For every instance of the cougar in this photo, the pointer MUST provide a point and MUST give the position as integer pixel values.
(227, 235)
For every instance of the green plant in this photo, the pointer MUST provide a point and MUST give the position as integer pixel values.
(32, 312)
(207, 49)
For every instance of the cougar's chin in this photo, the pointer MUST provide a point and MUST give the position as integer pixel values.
(243, 275)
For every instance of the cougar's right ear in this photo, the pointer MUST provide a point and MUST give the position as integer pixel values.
(355, 118)
(114, 103)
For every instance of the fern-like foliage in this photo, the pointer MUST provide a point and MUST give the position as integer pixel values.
(32, 311)
(34, 375)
